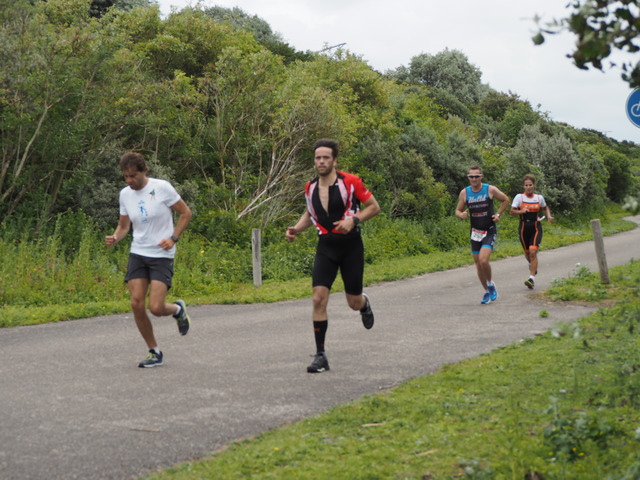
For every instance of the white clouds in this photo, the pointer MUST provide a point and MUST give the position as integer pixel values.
(494, 34)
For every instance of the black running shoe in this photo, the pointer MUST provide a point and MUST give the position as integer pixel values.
(184, 322)
(153, 360)
(529, 283)
(320, 363)
(366, 313)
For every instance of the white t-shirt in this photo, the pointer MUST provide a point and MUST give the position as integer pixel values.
(151, 217)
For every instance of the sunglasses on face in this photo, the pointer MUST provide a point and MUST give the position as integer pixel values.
(474, 176)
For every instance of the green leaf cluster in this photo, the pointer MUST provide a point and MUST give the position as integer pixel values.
(601, 27)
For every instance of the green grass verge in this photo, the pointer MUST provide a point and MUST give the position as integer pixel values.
(564, 405)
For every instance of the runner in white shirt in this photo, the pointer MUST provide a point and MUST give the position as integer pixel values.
(147, 205)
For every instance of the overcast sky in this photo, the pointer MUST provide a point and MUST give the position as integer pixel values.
(495, 35)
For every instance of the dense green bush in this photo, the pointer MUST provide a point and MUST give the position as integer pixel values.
(53, 269)
(202, 267)
(385, 239)
(447, 234)
(285, 261)
(221, 226)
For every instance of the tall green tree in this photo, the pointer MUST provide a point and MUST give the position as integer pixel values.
(497, 104)
(260, 29)
(620, 180)
(515, 119)
(403, 181)
(262, 120)
(596, 187)
(448, 70)
(241, 20)
(191, 42)
(562, 175)
(52, 58)
(75, 93)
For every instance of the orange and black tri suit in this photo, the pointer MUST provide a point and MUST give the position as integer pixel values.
(530, 229)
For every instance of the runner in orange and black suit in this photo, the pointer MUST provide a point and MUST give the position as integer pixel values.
(529, 205)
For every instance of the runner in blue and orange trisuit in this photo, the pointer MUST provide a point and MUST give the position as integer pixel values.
(529, 205)
(333, 206)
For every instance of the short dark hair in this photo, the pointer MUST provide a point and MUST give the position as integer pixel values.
(327, 142)
(475, 167)
(528, 176)
(133, 160)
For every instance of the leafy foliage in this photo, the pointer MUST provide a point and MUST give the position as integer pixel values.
(561, 173)
(448, 70)
(403, 170)
(227, 112)
(260, 29)
(600, 27)
(496, 104)
(620, 180)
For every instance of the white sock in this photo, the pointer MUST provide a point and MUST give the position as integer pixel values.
(156, 350)
(179, 311)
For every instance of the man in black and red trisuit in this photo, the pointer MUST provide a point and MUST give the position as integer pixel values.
(333, 206)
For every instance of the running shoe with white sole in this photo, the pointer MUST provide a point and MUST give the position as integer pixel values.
(493, 292)
(153, 360)
(367, 313)
(183, 320)
(486, 298)
(320, 363)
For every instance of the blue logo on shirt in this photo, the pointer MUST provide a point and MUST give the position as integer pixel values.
(143, 212)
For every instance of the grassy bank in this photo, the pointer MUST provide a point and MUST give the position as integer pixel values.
(561, 406)
(46, 281)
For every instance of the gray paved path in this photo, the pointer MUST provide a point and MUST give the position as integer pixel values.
(74, 405)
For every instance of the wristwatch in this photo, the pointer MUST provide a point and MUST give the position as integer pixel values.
(356, 221)
(174, 238)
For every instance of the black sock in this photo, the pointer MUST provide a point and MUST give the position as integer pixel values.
(320, 331)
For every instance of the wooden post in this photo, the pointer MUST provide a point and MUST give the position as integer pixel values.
(602, 258)
(256, 241)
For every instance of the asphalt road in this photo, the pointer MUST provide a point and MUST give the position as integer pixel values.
(74, 404)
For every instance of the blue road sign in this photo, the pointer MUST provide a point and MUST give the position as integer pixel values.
(633, 107)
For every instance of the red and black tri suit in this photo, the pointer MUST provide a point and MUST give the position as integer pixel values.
(337, 250)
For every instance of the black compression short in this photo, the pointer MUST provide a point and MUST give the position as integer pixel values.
(344, 252)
